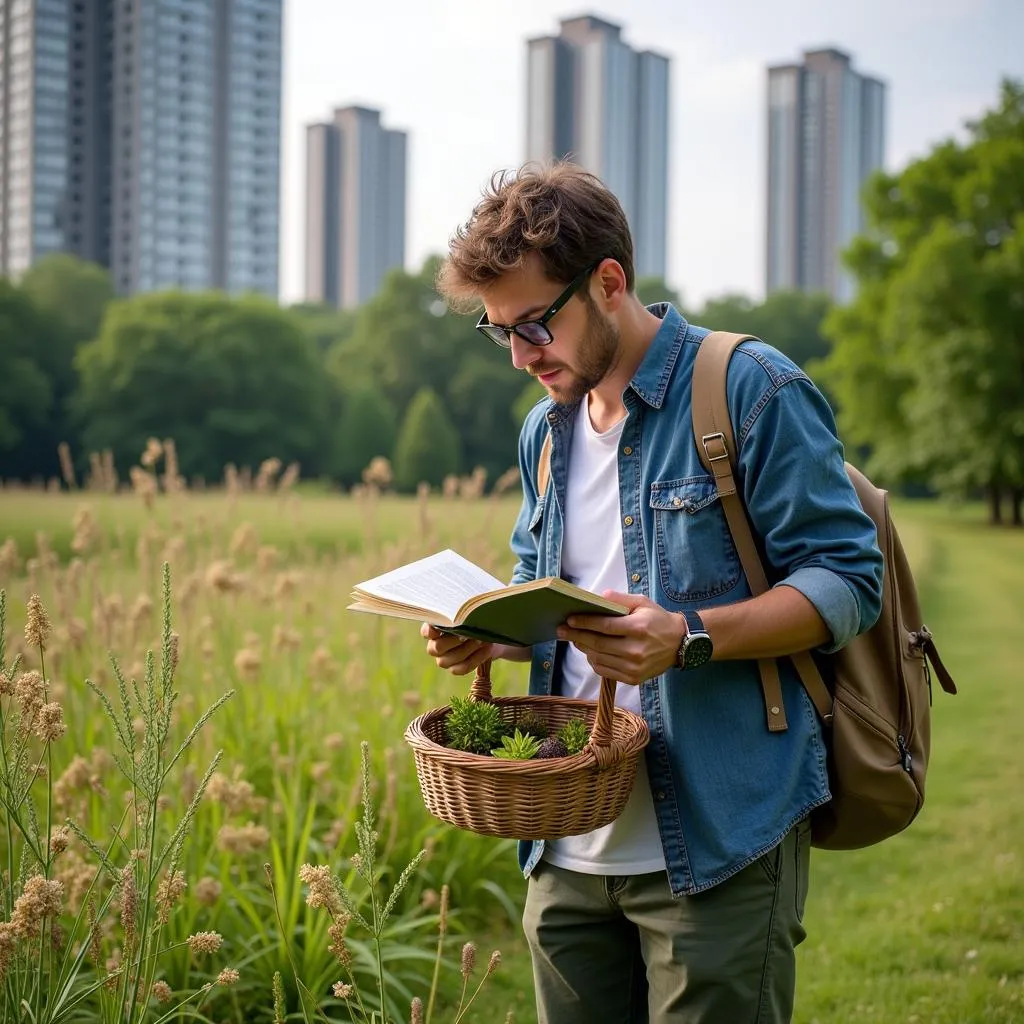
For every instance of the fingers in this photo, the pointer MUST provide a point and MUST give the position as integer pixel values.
(457, 654)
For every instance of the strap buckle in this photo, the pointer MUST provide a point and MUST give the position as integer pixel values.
(720, 439)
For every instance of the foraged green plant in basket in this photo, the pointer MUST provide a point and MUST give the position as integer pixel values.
(531, 797)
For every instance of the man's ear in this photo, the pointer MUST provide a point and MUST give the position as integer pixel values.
(608, 285)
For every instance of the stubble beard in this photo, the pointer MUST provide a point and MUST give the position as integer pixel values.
(596, 357)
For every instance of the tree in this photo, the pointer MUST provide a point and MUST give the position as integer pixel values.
(428, 445)
(26, 388)
(76, 291)
(927, 362)
(480, 395)
(366, 428)
(76, 295)
(230, 380)
(326, 325)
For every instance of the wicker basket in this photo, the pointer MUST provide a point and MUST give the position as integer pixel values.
(545, 798)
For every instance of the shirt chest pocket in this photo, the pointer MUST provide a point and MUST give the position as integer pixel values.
(696, 556)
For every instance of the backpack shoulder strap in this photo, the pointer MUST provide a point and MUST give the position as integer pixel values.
(716, 446)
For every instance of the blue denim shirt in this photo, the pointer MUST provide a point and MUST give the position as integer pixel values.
(725, 789)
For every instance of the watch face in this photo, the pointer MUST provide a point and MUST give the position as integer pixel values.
(698, 650)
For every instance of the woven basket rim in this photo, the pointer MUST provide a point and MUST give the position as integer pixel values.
(632, 743)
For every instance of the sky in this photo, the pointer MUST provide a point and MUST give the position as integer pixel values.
(452, 74)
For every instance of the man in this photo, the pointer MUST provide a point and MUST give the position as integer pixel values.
(689, 906)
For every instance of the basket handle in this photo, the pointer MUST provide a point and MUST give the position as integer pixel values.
(602, 743)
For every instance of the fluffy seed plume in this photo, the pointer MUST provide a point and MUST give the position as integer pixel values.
(168, 892)
(207, 891)
(321, 888)
(337, 947)
(492, 964)
(205, 942)
(37, 625)
(40, 898)
(162, 992)
(229, 976)
(341, 990)
(49, 722)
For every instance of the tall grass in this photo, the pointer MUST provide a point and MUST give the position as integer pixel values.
(261, 583)
(928, 927)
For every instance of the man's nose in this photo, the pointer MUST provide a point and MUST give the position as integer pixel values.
(523, 353)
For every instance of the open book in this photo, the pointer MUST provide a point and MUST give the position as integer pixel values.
(450, 592)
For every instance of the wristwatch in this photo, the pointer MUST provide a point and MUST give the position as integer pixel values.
(696, 647)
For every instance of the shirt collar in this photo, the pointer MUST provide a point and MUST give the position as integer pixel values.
(651, 379)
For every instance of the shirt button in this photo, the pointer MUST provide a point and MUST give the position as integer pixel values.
(628, 520)
(635, 577)
(547, 664)
(627, 450)
(677, 501)
(774, 710)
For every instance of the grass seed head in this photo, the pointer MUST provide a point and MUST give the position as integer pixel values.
(37, 625)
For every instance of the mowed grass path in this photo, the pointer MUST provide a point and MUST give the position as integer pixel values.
(927, 928)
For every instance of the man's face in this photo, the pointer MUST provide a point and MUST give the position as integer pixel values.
(585, 344)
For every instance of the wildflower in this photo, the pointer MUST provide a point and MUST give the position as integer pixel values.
(244, 540)
(337, 947)
(416, 1011)
(152, 453)
(9, 557)
(468, 959)
(249, 838)
(59, 838)
(40, 898)
(321, 888)
(8, 939)
(162, 992)
(248, 663)
(228, 976)
(341, 990)
(205, 942)
(495, 960)
(28, 693)
(37, 626)
(221, 576)
(207, 891)
(49, 722)
(168, 892)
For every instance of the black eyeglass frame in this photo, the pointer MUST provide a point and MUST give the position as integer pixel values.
(502, 335)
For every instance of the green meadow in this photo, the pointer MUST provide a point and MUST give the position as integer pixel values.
(928, 927)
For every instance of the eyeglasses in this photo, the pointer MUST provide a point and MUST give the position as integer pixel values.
(535, 332)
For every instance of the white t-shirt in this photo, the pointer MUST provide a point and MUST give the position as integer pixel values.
(592, 558)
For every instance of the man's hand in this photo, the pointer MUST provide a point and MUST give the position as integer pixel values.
(458, 654)
(631, 648)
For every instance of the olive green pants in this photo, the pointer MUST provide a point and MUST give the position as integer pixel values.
(622, 950)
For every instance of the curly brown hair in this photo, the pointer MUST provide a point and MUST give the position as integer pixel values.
(559, 211)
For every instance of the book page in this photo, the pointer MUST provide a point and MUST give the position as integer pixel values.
(440, 582)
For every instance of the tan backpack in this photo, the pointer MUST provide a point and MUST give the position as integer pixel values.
(877, 706)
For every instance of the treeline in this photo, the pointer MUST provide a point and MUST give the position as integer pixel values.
(240, 380)
(925, 366)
